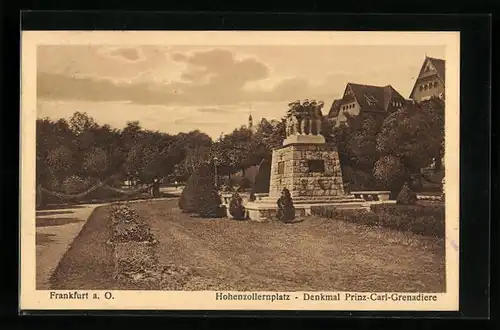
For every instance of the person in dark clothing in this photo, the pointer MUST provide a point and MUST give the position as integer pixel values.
(156, 187)
(286, 209)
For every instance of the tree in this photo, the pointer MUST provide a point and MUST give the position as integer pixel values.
(236, 150)
(356, 145)
(75, 184)
(362, 143)
(81, 122)
(95, 162)
(411, 135)
(390, 172)
(272, 133)
(59, 162)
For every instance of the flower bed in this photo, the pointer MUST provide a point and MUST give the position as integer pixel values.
(135, 253)
(134, 246)
(425, 220)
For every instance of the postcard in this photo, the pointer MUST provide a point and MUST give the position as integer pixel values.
(240, 170)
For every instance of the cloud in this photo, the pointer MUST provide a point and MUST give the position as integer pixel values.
(208, 79)
(221, 68)
(196, 122)
(213, 110)
(130, 54)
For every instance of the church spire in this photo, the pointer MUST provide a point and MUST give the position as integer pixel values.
(250, 119)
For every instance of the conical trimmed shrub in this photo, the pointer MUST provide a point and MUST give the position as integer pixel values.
(207, 199)
(262, 178)
(187, 201)
(406, 196)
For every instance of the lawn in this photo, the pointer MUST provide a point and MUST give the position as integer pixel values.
(316, 254)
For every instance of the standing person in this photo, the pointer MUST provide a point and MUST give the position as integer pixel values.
(156, 187)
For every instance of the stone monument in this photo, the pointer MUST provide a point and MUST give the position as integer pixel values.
(306, 165)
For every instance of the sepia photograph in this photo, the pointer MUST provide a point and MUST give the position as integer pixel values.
(240, 170)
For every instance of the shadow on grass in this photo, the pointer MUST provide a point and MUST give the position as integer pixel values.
(47, 222)
(43, 213)
(80, 204)
(296, 220)
(43, 239)
(50, 207)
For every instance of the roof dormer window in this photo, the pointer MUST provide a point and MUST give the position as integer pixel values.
(370, 99)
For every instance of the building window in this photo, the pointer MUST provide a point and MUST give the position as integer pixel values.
(426, 87)
(435, 84)
(421, 87)
(316, 165)
(281, 167)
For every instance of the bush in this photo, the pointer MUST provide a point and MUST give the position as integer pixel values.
(389, 170)
(132, 259)
(422, 220)
(406, 196)
(359, 179)
(426, 220)
(207, 199)
(122, 213)
(363, 217)
(132, 232)
(75, 184)
(128, 226)
(236, 208)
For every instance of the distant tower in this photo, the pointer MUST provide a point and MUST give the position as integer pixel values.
(250, 119)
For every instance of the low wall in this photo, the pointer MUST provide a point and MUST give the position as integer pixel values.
(372, 195)
(263, 212)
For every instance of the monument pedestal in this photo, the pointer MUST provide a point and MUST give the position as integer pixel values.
(310, 169)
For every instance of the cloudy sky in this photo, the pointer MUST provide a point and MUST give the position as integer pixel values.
(177, 89)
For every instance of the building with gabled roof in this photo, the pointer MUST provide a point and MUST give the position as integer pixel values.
(366, 99)
(430, 80)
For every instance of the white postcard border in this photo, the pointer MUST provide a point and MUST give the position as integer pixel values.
(32, 299)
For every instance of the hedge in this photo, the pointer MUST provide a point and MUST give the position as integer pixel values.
(425, 220)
